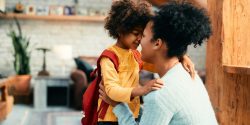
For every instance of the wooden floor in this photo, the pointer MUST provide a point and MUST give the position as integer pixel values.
(26, 115)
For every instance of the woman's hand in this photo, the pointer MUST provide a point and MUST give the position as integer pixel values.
(188, 65)
(104, 96)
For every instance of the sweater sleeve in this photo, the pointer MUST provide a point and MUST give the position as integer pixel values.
(145, 65)
(112, 82)
(148, 66)
(152, 115)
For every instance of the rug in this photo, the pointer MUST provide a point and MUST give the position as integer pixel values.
(55, 118)
(27, 115)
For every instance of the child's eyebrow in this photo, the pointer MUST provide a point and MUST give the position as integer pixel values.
(138, 29)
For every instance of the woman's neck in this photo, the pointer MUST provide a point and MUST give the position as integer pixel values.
(164, 65)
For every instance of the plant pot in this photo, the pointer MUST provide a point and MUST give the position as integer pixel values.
(20, 85)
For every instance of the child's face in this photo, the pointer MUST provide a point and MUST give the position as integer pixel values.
(147, 44)
(131, 40)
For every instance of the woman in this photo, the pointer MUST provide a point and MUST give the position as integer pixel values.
(182, 100)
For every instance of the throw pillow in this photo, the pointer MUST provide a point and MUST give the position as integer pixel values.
(85, 67)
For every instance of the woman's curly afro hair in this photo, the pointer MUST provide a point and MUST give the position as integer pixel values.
(180, 24)
(125, 16)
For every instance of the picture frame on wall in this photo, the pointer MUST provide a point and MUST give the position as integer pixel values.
(31, 10)
(82, 11)
(60, 10)
(56, 10)
(69, 10)
(42, 10)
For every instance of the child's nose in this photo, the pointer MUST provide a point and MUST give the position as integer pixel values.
(139, 37)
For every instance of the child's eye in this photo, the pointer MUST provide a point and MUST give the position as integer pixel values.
(136, 34)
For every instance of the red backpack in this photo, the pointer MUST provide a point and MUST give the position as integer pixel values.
(91, 95)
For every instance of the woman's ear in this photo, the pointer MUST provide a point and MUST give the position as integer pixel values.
(158, 44)
(119, 34)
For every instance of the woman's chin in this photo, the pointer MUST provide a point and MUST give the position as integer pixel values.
(143, 59)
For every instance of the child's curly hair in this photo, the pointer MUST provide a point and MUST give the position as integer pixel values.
(125, 16)
(180, 24)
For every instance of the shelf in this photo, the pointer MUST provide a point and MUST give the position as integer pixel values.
(237, 69)
(55, 17)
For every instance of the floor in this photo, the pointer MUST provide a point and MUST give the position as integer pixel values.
(27, 115)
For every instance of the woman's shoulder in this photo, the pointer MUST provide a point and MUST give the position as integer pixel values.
(161, 99)
(156, 96)
(150, 97)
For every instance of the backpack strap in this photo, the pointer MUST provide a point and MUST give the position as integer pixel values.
(109, 54)
(137, 56)
(91, 95)
(113, 57)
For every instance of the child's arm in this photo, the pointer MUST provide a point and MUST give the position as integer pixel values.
(151, 85)
(111, 82)
(118, 93)
(188, 65)
(153, 114)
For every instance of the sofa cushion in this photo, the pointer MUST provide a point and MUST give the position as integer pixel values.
(84, 66)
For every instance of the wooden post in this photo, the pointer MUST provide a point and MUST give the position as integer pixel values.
(228, 61)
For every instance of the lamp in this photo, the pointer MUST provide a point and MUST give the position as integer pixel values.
(2, 6)
(64, 52)
(43, 72)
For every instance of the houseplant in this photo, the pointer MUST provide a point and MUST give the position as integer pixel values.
(21, 82)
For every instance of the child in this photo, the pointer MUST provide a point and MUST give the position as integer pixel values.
(126, 22)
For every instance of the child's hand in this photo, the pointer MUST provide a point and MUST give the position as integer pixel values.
(188, 65)
(152, 85)
(104, 96)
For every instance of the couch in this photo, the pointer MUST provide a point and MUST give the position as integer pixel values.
(81, 79)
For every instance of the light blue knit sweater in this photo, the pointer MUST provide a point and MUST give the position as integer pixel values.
(182, 101)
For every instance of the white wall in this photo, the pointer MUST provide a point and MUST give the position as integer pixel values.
(86, 38)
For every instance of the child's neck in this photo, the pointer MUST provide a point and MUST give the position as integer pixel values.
(120, 45)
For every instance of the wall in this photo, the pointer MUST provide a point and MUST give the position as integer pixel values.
(88, 4)
(86, 38)
(229, 92)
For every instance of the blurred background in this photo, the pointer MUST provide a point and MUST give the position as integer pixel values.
(43, 78)
(80, 28)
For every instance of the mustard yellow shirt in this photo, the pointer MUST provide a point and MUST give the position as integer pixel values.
(119, 85)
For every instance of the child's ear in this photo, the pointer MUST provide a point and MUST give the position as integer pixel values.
(158, 44)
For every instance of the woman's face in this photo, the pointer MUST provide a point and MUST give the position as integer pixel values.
(131, 40)
(147, 44)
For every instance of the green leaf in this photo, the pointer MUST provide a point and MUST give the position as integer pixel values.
(21, 54)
